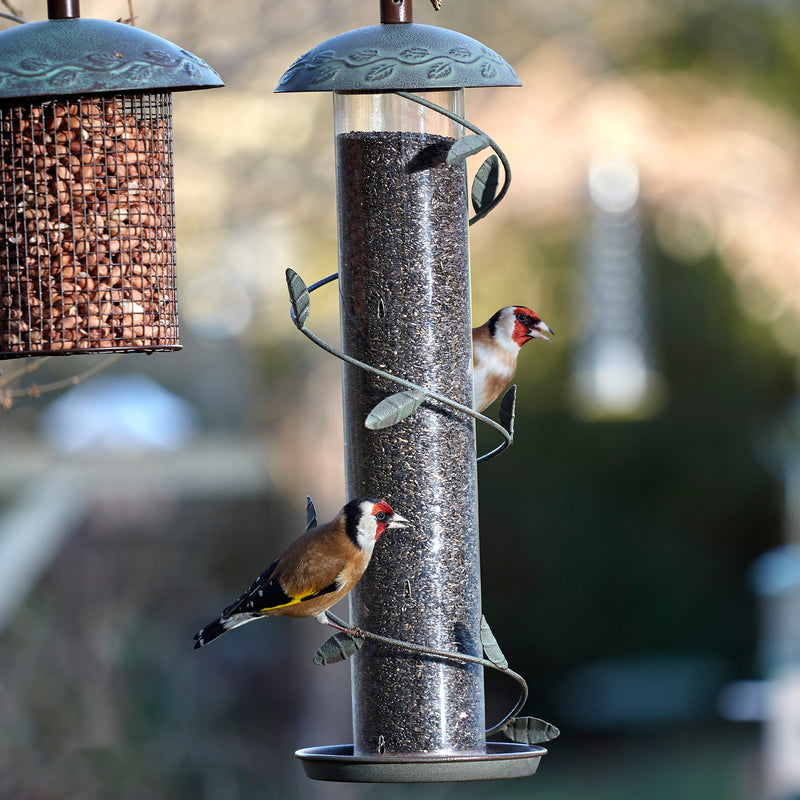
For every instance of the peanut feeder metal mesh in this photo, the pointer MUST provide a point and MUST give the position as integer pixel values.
(87, 242)
(87, 234)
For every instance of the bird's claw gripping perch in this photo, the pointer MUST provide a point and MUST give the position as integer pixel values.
(340, 625)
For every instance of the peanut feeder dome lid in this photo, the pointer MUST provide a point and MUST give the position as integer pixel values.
(71, 56)
(391, 57)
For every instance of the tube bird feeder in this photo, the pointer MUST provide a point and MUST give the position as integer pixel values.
(87, 235)
(405, 308)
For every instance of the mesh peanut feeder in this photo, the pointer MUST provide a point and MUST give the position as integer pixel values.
(87, 234)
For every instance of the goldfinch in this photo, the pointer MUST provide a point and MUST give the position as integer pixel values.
(495, 347)
(315, 571)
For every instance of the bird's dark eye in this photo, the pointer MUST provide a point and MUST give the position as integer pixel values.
(380, 516)
(524, 319)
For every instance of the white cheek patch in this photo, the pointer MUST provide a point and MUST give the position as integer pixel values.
(366, 531)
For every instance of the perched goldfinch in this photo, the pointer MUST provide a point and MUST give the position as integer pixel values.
(317, 569)
(495, 347)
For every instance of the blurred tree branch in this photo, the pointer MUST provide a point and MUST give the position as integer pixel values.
(8, 394)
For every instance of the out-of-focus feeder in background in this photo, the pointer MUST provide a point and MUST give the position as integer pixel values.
(614, 374)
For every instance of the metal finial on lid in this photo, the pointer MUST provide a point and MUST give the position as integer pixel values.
(63, 9)
(396, 11)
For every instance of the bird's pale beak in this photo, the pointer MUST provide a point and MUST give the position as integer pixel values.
(538, 331)
(398, 522)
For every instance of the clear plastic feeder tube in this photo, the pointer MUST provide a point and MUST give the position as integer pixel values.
(405, 307)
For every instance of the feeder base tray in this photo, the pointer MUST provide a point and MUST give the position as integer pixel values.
(502, 760)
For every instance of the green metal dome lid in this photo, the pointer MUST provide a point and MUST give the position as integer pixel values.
(392, 57)
(61, 57)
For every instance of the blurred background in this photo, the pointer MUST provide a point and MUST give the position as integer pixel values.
(639, 541)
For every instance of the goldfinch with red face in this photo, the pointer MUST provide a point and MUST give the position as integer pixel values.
(495, 347)
(317, 569)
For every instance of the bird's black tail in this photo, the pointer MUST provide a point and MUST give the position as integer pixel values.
(209, 633)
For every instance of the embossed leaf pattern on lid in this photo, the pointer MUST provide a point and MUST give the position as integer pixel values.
(103, 60)
(160, 57)
(440, 70)
(461, 53)
(380, 72)
(36, 64)
(415, 54)
(363, 56)
(326, 74)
